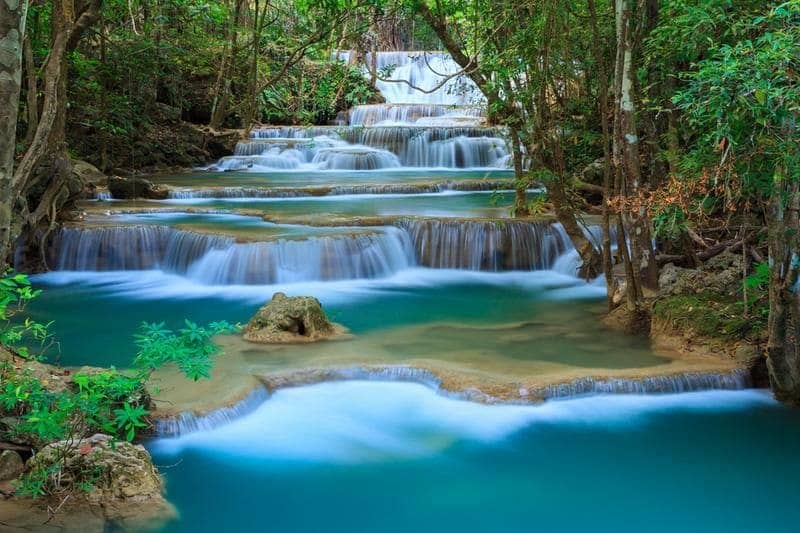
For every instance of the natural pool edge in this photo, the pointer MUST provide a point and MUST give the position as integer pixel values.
(715, 375)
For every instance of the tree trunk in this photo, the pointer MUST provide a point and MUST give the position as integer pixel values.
(520, 183)
(219, 110)
(31, 90)
(783, 345)
(69, 24)
(12, 33)
(644, 268)
(608, 263)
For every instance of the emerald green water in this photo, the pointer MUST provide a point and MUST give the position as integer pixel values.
(329, 177)
(395, 457)
(95, 314)
(437, 204)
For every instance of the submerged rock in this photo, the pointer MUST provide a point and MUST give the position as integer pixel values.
(287, 319)
(128, 188)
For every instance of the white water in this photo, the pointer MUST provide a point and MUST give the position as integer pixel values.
(401, 75)
(350, 253)
(430, 121)
(358, 421)
(157, 285)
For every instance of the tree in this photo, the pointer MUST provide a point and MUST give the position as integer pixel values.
(742, 103)
(526, 73)
(12, 33)
(641, 267)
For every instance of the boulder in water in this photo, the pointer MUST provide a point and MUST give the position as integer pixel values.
(294, 319)
(128, 188)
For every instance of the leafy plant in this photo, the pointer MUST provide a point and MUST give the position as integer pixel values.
(15, 293)
(49, 408)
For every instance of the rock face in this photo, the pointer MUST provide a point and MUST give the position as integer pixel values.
(120, 471)
(11, 465)
(287, 319)
(128, 188)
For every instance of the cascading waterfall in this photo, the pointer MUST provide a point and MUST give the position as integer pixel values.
(436, 127)
(736, 379)
(356, 253)
(493, 246)
(217, 260)
(132, 248)
(415, 114)
(185, 423)
(370, 148)
(435, 73)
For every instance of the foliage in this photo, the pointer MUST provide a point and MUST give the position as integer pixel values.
(322, 91)
(48, 408)
(711, 315)
(743, 103)
(190, 348)
(15, 293)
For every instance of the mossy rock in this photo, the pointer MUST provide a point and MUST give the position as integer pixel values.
(287, 319)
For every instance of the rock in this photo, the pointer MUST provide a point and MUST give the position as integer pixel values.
(725, 261)
(594, 172)
(118, 470)
(11, 465)
(88, 173)
(674, 280)
(287, 319)
(721, 274)
(128, 188)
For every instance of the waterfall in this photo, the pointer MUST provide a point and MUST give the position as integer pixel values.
(493, 246)
(685, 382)
(188, 422)
(191, 422)
(356, 256)
(369, 148)
(132, 248)
(439, 126)
(427, 71)
(416, 114)
(215, 260)
(356, 253)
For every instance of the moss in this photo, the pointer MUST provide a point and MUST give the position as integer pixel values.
(710, 314)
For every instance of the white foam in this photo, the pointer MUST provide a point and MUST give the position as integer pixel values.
(158, 285)
(361, 421)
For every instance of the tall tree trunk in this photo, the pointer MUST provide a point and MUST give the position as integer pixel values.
(70, 20)
(12, 33)
(783, 345)
(644, 281)
(608, 263)
(520, 183)
(219, 110)
(31, 90)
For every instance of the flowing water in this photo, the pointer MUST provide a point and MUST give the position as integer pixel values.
(390, 218)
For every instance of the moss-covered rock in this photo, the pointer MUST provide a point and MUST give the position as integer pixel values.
(115, 470)
(11, 465)
(128, 188)
(287, 319)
